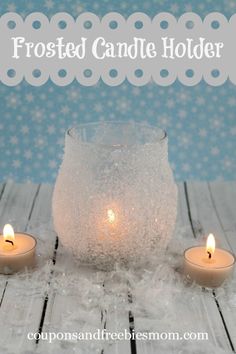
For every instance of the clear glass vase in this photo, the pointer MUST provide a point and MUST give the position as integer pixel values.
(115, 199)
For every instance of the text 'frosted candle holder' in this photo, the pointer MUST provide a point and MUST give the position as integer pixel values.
(115, 199)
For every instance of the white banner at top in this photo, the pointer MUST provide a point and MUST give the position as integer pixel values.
(139, 49)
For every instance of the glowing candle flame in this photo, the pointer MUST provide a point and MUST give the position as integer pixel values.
(210, 245)
(9, 237)
(8, 233)
(111, 216)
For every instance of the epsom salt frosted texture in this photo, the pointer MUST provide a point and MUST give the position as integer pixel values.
(115, 198)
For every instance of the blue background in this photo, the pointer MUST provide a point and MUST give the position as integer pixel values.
(200, 120)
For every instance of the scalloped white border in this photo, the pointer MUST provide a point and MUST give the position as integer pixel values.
(125, 30)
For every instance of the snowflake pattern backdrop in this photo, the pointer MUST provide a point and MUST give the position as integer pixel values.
(200, 120)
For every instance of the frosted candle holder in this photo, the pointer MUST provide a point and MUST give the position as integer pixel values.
(115, 199)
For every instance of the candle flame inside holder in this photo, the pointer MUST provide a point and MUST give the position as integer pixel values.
(111, 216)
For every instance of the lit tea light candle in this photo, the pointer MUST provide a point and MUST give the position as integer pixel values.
(208, 266)
(17, 250)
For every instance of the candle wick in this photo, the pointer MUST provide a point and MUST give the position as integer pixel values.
(10, 242)
(209, 254)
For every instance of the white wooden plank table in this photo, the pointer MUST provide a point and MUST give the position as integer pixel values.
(25, 308)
